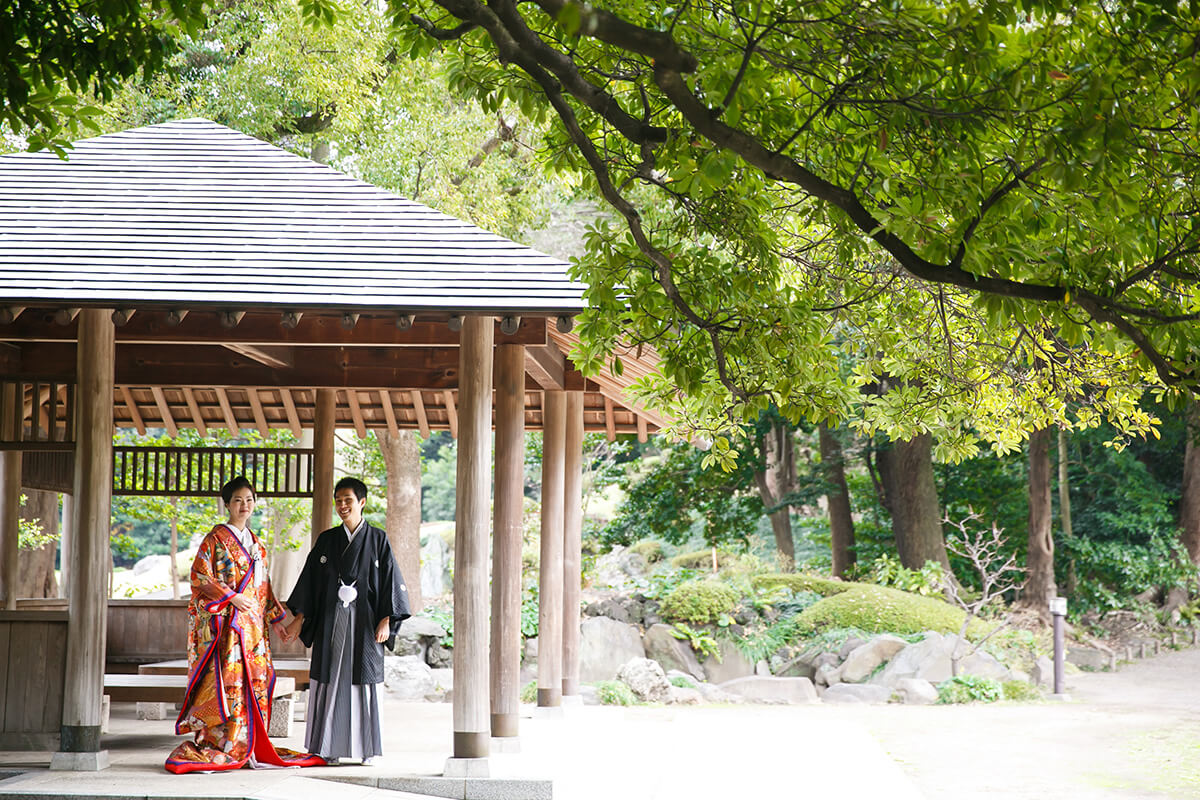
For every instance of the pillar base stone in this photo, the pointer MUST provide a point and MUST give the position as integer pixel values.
(466, 768)
(506, 744)
(80, 762)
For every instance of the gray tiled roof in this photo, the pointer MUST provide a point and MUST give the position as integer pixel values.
(192, 213)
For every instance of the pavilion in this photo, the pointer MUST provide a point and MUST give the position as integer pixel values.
(186, 275)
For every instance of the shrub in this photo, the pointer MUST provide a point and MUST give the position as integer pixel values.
(886, 570)
(648, 549)
(878, 609)
(615, 693)
(1020, 691)
(683, 682)
(968, 689)
(699, 601)
(799, 582)
(700, 559)
(529, 692)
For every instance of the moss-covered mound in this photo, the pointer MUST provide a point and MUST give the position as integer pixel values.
(648, 549)
(799, 582)
(879, 609)
(701, 559)
(699, 601)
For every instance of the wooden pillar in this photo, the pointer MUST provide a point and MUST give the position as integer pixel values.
(506, 538)
(79, 748)
(472, 728)
(10, 496)
(572, 540)
(324, 423)
(550, 572)
(66, 531)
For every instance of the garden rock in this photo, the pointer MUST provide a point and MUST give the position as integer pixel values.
(604, 645)
(529, 652)
(929, 659)
(407, 677)
(673, 654)
(715, 694)
(732, 664)
(827, 675)
(682, 696)
(150, 564)
(849, 646)
(416, 634)
(786, 665)
(610, 607)
(435, 566)
(773, 690)
(619, 568)
(916, 692)
(646, 679)
(589, 695)
(863, 660)
(856, 693)
(1042, 673)
(1091, 658)
(438, 655)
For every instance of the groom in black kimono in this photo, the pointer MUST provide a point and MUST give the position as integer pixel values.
(348, 603)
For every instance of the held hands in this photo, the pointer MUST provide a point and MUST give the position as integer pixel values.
(382, 630)
(292, 629)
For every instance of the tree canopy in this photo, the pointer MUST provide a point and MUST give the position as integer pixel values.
(991, 205)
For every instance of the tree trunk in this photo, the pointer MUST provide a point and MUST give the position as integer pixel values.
(1039, 563)
(402, 457)
(841, 524)
(1189, 501)
(906, 470)
(1064, 506)
(174, 567)
(774, 483)
(36, 577)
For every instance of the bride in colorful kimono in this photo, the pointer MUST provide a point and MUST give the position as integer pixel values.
(230, 676)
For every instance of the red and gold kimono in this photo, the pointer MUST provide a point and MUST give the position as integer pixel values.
(230, 677)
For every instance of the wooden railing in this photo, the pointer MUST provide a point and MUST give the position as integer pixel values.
(38, 414)
(201, 471)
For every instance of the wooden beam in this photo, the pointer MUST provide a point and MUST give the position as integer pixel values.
(451, 413)
(389, 413)
(356, 412)
(280, 357)
(197, 417)
(419, 407)
(265, 329)
(546, 365)
(260, 420)
(642, 434)
(134, 414)
(610, 424)
(231, 422)
(203, 366)
(289, 406)
(164, 410)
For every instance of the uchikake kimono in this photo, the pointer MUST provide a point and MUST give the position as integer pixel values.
(230, 677)
(349, 583)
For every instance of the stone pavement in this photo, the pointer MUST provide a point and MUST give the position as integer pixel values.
(590, 753)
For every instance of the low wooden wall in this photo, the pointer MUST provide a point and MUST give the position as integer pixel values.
(33, 656)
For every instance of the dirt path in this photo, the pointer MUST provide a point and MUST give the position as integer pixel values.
(1133, 733)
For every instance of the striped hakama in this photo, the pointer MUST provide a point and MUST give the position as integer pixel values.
(343, 717)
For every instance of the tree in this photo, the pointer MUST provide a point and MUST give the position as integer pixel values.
(1189, 500)
(1001, 179)
(54, 52)
(911, 497)
(984, 553)
(402, 457)
(1039, 559)
(775, 478)
(837, 496)
(38, 535)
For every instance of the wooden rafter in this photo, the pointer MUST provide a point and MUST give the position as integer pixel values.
(280, 357)
(289, 406)
(231, 423)
(546, 365)
(610, 425)
(164, 411)
(385, 400)
(451, 413)
(356, 413)
(194, 410)
(134, 414)
(642, 432)
(419, 409)
(256, 408)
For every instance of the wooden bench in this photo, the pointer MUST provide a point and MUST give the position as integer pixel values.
(123, 688)
(294, 668)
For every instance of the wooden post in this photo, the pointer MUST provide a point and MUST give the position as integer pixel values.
(66, 532)
(10, 495)
(324, 423)
(550, 572)
(79, 748)
(506, 539)
(472, 729)
(572, 540)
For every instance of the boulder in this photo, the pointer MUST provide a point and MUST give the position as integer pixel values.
(619, 569)
(435, 566)
(776, 690)
(1089, 658)
(786, 665)
(673, 654)
(715, 694)
(407, 677)
(604, 645)
(682, 696)
(438, 655)
(929, 659)
(646, 679)
(589, 695)
(1042, 673)
(863, 660)
(529, 652)
(153, 564)
(849, 646)
(827, 675)
(916, 692)
(856, 693)
(422, 626)
(611, 607)
(673, 674)
(732, 664)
